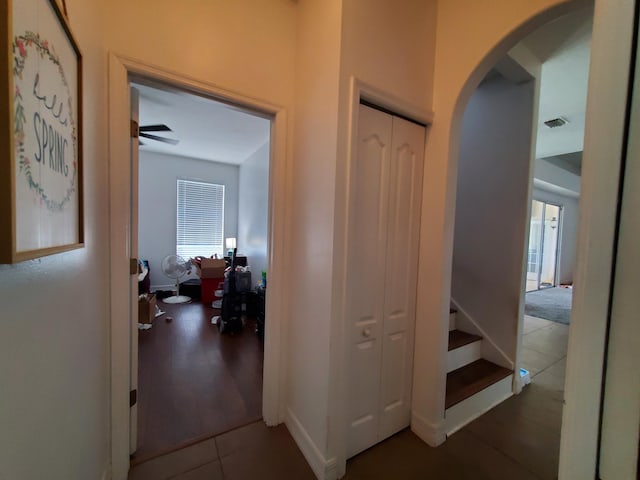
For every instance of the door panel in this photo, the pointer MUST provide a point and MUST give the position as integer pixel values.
(401, 275)
(365, 282)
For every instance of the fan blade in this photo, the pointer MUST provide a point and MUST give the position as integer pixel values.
(155, 128)
(160, 139)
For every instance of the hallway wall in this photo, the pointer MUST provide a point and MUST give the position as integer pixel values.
(491, 209)
(54, 321)
(253, 210)
(470, 38)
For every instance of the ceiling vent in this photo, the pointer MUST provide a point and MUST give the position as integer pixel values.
(556, 122)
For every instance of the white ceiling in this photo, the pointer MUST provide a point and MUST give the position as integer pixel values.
(563, 47)
(207, 129)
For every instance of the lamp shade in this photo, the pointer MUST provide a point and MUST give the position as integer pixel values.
(230, 242)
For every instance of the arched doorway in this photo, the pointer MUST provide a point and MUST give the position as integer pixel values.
(466, 53)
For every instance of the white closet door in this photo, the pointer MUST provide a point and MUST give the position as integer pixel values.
(365, 287)
(403, 221)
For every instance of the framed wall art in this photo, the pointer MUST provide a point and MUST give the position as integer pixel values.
(41, 188)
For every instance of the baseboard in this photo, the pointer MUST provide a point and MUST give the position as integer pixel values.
(432, 434)
(323, 469)
(491, 351)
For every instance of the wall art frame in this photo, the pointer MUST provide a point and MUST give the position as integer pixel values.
(41, 168)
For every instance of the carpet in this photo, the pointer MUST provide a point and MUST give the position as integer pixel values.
(550, 303)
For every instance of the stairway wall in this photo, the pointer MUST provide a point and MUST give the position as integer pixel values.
(491, 208)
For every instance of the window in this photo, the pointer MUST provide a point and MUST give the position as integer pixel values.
(200, 219)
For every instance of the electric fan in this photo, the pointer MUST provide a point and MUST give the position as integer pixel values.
(175, 267)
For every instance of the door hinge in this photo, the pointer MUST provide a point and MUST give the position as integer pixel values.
(133, 266)
(133, 397)
(134, 129)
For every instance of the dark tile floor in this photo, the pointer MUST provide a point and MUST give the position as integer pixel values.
(517, 440)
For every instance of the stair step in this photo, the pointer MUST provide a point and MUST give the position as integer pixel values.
(458, 338)
(471, 379)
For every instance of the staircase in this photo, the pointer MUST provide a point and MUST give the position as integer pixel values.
(474, 384)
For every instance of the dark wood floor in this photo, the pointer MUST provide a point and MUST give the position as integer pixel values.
(193, 382)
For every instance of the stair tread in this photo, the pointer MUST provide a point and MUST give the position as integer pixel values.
(458, 338)
(452, 310)
(472, 378)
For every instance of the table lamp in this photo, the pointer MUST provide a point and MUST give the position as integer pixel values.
(230, 243)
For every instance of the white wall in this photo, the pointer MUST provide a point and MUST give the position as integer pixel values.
(245, 47)
(491, 208)
(563, 93)
(553, 175)
(312, 223)
(568, 233)
(157, 203)
(54, 345)
(253, 210)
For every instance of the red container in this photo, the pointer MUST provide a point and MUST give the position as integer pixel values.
(209, 286)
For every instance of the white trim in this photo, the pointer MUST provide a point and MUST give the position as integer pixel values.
(120, 71)
(432, 434)
(324, 469)
(491, 351)
(339, 338)
(464, 355)
(366, 91)
(465, 412)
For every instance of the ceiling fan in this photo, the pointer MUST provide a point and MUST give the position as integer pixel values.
(144, 129)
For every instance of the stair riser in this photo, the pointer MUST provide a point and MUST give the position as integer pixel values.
(461, 356)
(471, 408)
(452, 321)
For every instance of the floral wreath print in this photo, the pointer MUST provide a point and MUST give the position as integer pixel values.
(20, 53)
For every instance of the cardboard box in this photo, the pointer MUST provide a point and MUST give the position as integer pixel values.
(212, 268)
(146, 308)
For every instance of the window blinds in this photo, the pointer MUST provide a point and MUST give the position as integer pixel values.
(200, 219)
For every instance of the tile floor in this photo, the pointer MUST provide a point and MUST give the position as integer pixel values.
(517, 440)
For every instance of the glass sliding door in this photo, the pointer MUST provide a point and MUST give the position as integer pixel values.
(535, 246)
(542, 258)
(549, 259)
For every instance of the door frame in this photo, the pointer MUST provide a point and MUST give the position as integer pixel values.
(121, 71)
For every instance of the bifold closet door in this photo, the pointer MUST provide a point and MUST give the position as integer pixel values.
(401, 275)
(386, 179)
(365, 280)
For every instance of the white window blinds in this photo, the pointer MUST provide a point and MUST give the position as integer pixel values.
(200, 222)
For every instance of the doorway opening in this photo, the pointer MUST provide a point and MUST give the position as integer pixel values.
(512, 164)
(202, 186)
(542, 254)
